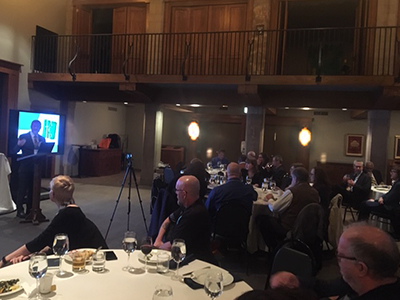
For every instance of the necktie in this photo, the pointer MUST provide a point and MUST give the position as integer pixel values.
(36, 141)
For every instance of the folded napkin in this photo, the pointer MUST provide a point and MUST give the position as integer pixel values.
(195, 286)
(188, 259)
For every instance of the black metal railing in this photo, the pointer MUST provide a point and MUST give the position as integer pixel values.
(319, 51)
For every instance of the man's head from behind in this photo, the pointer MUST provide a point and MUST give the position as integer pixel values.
(35, 126)
(187, 190)
(277, 161)
(299, 175)
(233, 170)
(367, 256)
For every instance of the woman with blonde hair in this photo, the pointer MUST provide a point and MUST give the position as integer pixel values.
(70, 220)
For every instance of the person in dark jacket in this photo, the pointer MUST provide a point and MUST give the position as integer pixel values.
(82, 232)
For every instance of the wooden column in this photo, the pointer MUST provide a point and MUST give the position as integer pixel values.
(378, 131)
(151, 143)
(255, 129)
(9, 79)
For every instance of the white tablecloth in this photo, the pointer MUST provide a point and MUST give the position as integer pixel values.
(379, 191)
(255, 240)
(118, 284)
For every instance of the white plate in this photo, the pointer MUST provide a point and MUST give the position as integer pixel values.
(200, 276)
(68, 257)
(11, 292)
(152, 256)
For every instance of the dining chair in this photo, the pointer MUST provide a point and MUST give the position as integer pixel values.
(230, 228)
(296, 257)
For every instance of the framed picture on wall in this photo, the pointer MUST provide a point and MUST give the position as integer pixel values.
(397, 147)
(354, 145)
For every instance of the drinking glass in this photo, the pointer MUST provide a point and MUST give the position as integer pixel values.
(209, 166)
(273, 185)
(129, 244)
(248, 180)
(178, 253)
(146, 248)
(60, 248)
(37, 269)
(162, 292)
(213, 284)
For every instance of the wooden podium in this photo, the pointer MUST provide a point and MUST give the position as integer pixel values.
(35, 215)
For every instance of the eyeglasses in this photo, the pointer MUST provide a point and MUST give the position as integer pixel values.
(178, 190)
(339, 256)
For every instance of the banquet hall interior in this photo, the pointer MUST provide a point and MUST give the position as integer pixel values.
(251, 73)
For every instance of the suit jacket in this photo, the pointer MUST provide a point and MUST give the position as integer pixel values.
(362, 188)
(26, 165)
(391, 199)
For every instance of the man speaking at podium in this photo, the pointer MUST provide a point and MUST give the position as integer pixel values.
(29, 144)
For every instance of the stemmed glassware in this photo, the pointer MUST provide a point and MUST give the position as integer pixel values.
(146, 248)
(273, 185)
(213, 284)
(178, 253)
(129, 244)
(37, 269)
(60, 248)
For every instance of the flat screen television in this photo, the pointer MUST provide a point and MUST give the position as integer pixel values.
(53, 128)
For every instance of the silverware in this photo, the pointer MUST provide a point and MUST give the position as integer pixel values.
(191, 273)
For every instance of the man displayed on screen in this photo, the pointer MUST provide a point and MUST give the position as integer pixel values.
(29, 144)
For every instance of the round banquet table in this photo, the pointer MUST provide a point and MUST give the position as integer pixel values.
(379, 191)
(116, 283)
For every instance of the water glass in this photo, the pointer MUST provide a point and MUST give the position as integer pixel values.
(45, 283)
(163, 292)
(60, 248)
(213, 284)
(163, 259)
(273, 185)
(178, 253)
(129, 244)
(37, 269)
(99, 261)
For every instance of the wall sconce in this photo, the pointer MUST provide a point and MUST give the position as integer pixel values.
(305, 136)
(194, 130)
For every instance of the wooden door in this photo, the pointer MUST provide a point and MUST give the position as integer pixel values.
(82, 28)
(129, 20)
(119, 44)
(137, 44)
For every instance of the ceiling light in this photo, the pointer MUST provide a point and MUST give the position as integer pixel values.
(178, 104)
(126, 103)
(344, 108)
(245, 109)
(195, 105)
(286, 107)
(306, 108)
(84, 101)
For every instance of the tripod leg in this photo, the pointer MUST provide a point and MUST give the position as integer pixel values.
(140, 201)
(117, 201)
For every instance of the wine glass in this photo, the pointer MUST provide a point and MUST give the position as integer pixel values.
(178, 253)
(129, 244)
(248, 180)
(146, 247)
(37, 269)
(213, 284)
(60, 248)
(209, 166)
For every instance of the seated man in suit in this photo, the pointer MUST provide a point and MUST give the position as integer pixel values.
(277, 171)
(190, 221)
(376, 176)
(234, 190)
(219, 160)
(356, 187)
(29, 144)
(286, 207)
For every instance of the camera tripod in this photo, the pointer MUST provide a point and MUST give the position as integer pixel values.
(128, 173)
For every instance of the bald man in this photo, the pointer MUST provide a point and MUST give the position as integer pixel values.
(368, 259)
(234, 190)
(190, 221)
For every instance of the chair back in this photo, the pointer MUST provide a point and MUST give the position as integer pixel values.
(168, 175)
(293, 261)
(231, 223)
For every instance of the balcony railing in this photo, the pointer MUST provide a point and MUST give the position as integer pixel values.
(320, 51)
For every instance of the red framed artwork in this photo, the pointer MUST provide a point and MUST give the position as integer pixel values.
(354, 144)
(397, 147)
